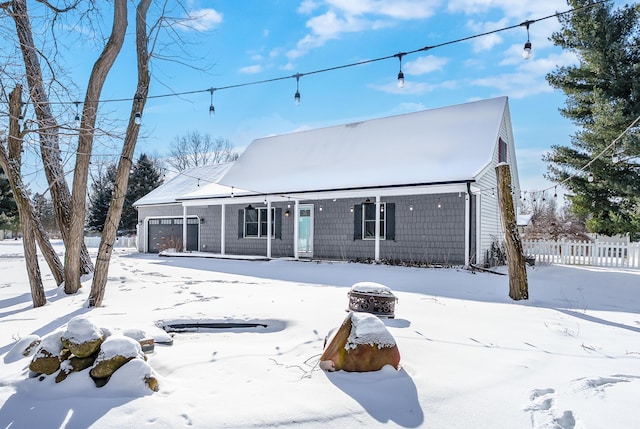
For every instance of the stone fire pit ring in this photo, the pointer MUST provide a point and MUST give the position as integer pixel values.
(374, 298)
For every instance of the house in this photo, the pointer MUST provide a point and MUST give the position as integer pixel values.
(417, 187)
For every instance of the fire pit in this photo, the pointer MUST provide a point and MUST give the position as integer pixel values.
(374, 298)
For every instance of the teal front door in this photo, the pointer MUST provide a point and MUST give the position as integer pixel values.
(305, 230)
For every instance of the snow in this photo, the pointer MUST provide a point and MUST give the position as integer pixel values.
(368, 329)
(453, 143)
(371, 287)
(119, 345)
(470, 357)
(81, 329)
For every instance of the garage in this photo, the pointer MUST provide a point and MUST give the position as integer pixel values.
(166, 233)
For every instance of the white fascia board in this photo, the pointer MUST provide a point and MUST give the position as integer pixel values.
(338, 194)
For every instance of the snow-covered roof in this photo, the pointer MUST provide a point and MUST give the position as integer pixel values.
(185, 182)
(452, 143)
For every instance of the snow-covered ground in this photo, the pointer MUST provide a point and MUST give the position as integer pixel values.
(470, 357)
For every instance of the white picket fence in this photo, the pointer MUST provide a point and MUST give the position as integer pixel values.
(595, 253)
(120, 241)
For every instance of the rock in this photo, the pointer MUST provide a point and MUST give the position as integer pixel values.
(45, 363)
(82, 337)
(47, 357)
(152, 383)
(74, 364)
(115, 352)
(361, 344)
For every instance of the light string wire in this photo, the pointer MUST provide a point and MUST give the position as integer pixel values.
(343, 66)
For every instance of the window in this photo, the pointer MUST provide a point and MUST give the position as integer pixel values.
(364, 221)
(369, 221)
(255, 222)
(502, 150)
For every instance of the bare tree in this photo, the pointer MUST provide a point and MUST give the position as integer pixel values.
(194, 149)
(10, 160)
(48, 128)
(101, 68)
(110, 229)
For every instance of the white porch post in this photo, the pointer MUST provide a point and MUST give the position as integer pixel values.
(184, 228)
(223, 222)
(269, 217)
(377, 251)
(296, 230)
(467, 229)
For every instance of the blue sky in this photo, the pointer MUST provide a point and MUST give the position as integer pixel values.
(252, 40)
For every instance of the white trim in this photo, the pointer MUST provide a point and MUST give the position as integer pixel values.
(296, 230)
(269, 228)
(467, 229)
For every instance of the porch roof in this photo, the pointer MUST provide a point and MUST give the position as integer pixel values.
(433, 146)
(185, 182)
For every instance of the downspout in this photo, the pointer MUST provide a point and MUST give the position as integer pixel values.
(377, 241)
(269, 218)
(467, 225)
(296, 230)
(223, 225)
(184, 228)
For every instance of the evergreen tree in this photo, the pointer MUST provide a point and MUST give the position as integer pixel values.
(100, 198)
(45, 211)
(145, 177)
(603, 99)
(9, 218)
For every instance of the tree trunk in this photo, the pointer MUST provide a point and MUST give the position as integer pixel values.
(126, 159)
(518, 287)
(85, 144)
(48, 130)
(11, 164)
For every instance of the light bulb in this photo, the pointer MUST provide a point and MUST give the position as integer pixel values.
(77, 120)
(297, 98)
(400, 79)
(212, 110)
(20, 120)
(526, 53)
(590, 178)
(138, 118)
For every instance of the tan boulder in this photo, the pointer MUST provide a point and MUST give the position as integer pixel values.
(82, 337)
(74, 364)
(361, 344)
(48, 355)
(115, 352)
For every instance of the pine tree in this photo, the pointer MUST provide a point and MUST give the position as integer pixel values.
(603, 99)
(9, 218)
(100, 198)
(144, 178)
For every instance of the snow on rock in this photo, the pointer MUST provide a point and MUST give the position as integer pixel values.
(24, 347)
(368, 329)
(361, 344)
(120, 345)
(49, 354)
(135, 377)
(82, 337)
(116, 351)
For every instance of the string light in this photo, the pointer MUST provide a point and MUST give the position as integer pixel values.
(526, 52)
(296, 97)
(212, 110)
(138, 116)
(77, 118)
(590, 177)
(400, 74)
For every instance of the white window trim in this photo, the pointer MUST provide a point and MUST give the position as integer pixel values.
(383, 229)
(273, 223)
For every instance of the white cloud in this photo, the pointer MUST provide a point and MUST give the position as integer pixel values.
(204, 19)
(425, 64)
(348, 16)
(251, 69)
